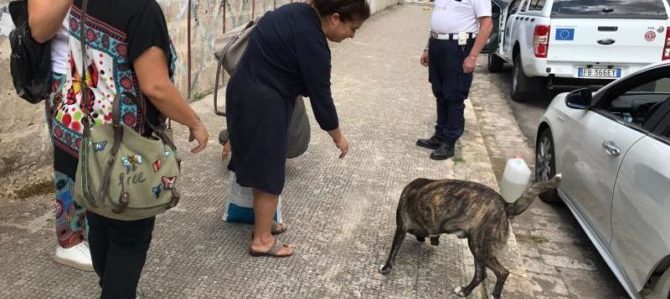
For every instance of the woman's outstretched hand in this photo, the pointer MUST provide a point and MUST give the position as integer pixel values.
(340, 141)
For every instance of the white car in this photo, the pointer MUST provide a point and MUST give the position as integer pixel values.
(612, 148)
(556, 44)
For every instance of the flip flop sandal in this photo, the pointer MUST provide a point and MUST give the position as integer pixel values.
(272, 252)
(278, 228)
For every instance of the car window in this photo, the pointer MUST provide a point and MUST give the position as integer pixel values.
(636, 105)
(514, 6)
(536, 5)
(652, 9)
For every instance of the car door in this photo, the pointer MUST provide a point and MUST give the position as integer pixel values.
(509, 25)
(493, 41)
(596, 144)
(641, 203)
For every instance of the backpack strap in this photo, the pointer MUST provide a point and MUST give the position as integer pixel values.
(216, 88)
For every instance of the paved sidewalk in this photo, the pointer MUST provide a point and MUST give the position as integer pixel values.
(341, 212)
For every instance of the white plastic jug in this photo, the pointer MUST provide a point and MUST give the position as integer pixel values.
(515, 179)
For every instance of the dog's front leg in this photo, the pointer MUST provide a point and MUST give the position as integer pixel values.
(397, 241)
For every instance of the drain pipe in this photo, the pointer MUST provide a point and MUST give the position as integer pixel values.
(188, 40)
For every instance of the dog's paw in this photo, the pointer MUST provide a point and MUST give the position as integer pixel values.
(384, 269)
(459, 291)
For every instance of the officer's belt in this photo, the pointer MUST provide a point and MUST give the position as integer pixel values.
(450, 36)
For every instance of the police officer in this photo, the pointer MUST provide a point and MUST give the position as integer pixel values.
(459, 31)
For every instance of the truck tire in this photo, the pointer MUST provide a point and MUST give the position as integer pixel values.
(520, 82)
(495, 63)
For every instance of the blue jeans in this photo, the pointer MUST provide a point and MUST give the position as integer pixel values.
(450, 86)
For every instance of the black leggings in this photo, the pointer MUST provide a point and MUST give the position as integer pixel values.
(118, 250)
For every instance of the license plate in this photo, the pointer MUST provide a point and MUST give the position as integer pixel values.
(599, 73)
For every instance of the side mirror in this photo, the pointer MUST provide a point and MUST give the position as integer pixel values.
(579, 99)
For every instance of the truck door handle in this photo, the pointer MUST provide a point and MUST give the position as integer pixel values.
(611, 148)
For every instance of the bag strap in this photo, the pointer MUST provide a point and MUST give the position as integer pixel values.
(223, 52)
(118, 137)
(84, 148)
(118, 130)
(216, 88)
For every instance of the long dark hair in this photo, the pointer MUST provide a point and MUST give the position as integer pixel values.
(348, 10)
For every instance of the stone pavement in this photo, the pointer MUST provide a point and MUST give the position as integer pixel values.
(341, 212)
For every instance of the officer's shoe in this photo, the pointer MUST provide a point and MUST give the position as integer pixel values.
(430, 143)
(443, 152)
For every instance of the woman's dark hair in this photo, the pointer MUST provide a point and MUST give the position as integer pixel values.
(348, 10)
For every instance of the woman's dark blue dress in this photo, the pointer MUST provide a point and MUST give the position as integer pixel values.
(287, 56)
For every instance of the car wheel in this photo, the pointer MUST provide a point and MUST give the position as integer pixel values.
(519, 81)
(662, 288)
(495, 63)
(545, 165)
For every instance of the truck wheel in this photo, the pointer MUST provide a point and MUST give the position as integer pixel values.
(495, 64)
(520, 82)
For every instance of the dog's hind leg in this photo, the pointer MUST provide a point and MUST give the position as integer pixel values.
(480, 275)
(397, 241)
(435, 241)
(501, 275)
(421, 239)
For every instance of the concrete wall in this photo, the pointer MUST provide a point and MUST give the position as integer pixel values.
(207, 23)
(25, 151)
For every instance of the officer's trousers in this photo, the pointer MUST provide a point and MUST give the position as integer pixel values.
(450, 86)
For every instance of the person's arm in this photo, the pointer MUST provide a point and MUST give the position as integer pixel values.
(45, 17)
(151, 70)
(314, 62)
(485, 28)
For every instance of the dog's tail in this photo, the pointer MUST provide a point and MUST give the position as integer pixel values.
(527, 198)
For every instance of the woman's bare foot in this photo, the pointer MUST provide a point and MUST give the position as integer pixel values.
(270, 247)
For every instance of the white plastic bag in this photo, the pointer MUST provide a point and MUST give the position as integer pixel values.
(239, 204)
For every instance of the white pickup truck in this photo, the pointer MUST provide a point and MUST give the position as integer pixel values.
(557, 44)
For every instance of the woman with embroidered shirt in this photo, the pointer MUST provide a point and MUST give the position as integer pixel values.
(128, 50)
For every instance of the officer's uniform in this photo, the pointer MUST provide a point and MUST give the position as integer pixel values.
(450, 20)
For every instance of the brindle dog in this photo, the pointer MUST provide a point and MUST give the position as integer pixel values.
(428, 208)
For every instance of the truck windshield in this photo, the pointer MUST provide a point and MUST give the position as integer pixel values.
(638, 9)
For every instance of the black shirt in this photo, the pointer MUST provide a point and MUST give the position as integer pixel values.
(289, 53)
